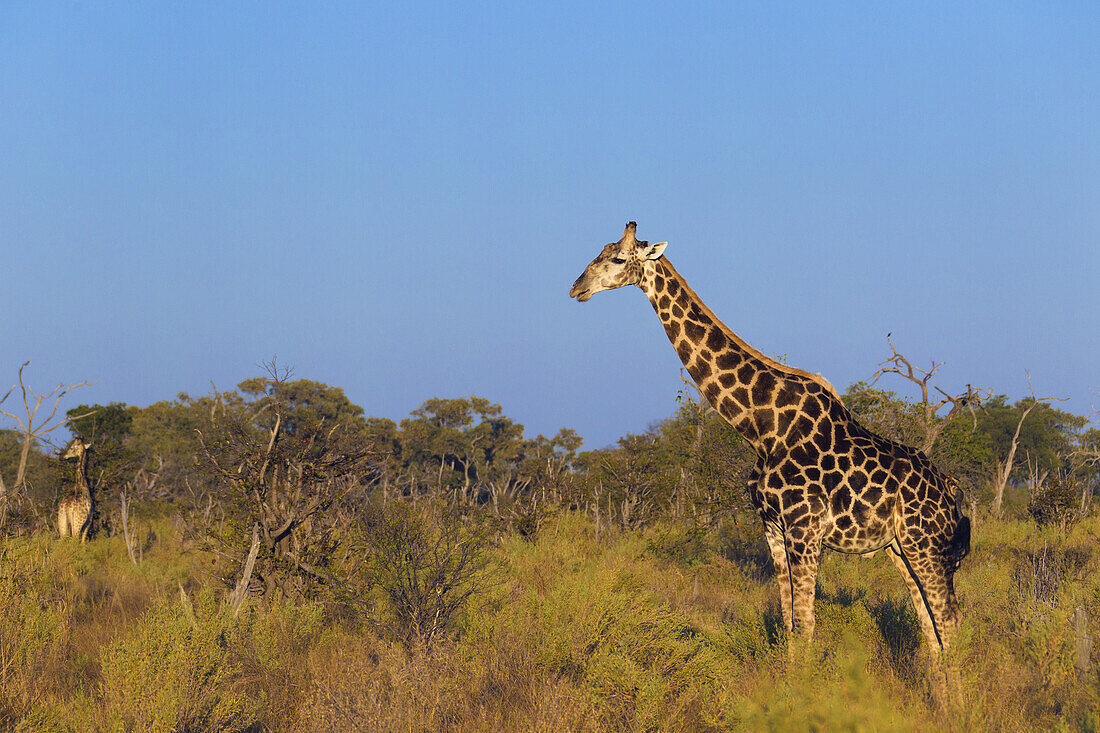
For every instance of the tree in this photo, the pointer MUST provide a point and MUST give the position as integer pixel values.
(550, 463)
(383, 446)
(468, 448)
(98, 424)
(930, 420)
(163, 440)
(628, 483)
(1045, 439)
(286, 461)
(303, 405)
(30, 429)
(41, 481)
(885, 413)
(1086, 460)
(959, 450)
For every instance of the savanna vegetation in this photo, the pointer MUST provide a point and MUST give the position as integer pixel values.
(272, 558)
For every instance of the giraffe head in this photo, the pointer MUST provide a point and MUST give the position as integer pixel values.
(77, 448)
(620, 263)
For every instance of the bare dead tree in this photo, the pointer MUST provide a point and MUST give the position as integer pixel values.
(27, 421)
(932, 420)
(1004, 468)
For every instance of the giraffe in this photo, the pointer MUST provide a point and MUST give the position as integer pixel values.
(821, 480)
(74, 512)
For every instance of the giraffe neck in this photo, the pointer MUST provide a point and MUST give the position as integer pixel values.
(82, 476)
(757, 395)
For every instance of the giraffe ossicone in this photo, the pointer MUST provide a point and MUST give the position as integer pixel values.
(821, 479)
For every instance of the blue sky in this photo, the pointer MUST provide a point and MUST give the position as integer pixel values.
(396, 199)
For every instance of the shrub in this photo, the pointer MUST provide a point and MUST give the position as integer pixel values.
(427, 566)
(1057, 502)
(173, 672)
(271, 652)
(34, 634)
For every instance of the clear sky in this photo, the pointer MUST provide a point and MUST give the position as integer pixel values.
(396, 197)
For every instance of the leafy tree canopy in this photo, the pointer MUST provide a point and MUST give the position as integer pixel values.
(1047, 436)
(101, 423)
(303, 404)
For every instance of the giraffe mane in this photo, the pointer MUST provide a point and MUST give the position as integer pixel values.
(743, 344)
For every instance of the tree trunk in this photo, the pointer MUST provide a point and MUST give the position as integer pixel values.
(932, 433)
(21, 471)
(999, 481)
(1002, 477)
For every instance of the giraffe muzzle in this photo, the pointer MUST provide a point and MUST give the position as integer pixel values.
(579, 291)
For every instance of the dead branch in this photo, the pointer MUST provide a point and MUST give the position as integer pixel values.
(932, 422)
(188, 609)
(26, 422)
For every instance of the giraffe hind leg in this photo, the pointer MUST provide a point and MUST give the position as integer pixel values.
(920, 601)
(933, 596)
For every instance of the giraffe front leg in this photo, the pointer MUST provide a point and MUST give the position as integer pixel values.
(774, 534)
(803, 553)
(795, 554)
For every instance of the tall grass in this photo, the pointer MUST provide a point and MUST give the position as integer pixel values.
(669, 629)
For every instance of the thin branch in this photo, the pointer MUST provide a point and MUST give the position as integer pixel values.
(933, 422)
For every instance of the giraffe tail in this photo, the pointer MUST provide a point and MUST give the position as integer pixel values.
(960, 540)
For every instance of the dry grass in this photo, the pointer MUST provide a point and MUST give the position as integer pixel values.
(667, 629)
(370, 684)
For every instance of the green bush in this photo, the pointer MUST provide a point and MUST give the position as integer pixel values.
(271, 652)
(34, 640)
(173, 672)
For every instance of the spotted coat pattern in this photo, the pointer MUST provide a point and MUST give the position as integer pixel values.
(74, 512)
(821, 479)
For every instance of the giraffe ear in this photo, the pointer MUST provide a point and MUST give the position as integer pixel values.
(654, 251)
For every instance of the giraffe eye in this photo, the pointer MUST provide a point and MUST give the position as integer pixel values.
(618, 260)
